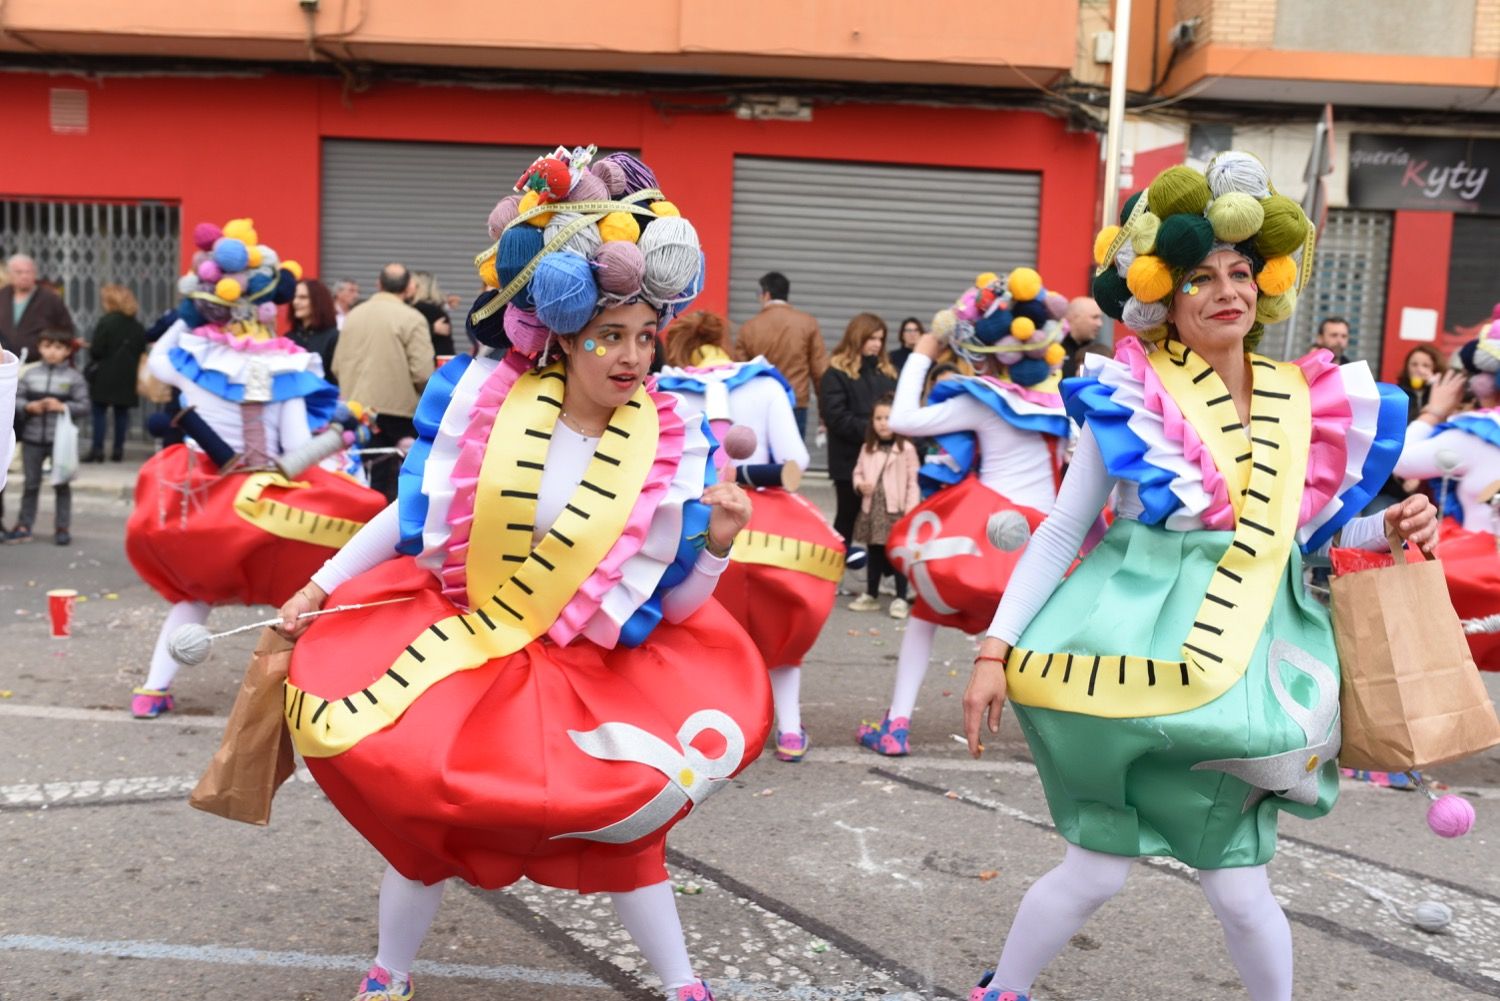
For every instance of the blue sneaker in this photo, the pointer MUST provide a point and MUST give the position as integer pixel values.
(379, 985)
(889, 738)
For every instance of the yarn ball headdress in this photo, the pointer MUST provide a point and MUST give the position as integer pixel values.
(1182, 218)
(1012, 319)
(235, 280)
(578, 236)
(1482, 354)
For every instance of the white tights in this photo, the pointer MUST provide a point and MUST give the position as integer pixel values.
(649, 914)
(163, 667)
(911, 668)
(1058, 905)
(786, 692)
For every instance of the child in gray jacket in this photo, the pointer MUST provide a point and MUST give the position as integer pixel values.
(47, 389)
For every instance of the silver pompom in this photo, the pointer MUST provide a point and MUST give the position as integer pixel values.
(190, 644)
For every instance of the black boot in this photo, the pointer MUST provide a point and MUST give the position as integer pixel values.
(118, 455)
(95, 455)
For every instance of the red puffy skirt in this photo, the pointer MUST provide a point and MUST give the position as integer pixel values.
(188, 542)
(943, 549)
(481, 777)
(1471, 564)
(782, 609)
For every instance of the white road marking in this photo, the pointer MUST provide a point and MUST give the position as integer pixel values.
(101, 791)
(227, 956)
(108, 716)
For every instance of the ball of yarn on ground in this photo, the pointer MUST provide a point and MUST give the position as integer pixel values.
(205, 234)
(1139, 315)
(619, 268)
(1178, 189)
(1007, 530)
(1275, 308)
(564, 291)
(524, 329)
(584, 242)
(1432, 916)
(1236, 216)
(670, 248)
(1450, 816)
(518, 245)
(1101, 244)
(1278, 276)
(1024, 284)
(190, 644)
(1149, 279)
(1184, 239)
(504, 211)
(621, 226)
(1284, 228)
(231, 254)
(1143, 233)
(739, 442)
(1234, 171)
(588, 188)
(1110, 292)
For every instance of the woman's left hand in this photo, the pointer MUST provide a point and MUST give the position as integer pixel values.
(1415, 520)
(730, 514)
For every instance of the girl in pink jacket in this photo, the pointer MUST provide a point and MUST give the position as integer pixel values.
(886, 478)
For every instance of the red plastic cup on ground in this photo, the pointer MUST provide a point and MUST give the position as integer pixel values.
(60, 609)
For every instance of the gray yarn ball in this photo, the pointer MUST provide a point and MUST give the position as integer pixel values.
(1431, 916)
(1139, 315)
(190, 644)
(670, 247)
(584, 243)
(1007, 530)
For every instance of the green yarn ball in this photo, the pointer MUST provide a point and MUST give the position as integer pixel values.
(1177, 190)
(1236, 216)
(1275, 308)
(1184, 240)
(1284, 228)
(1252, 338)
(1111, 292)
(1143, 233)
(1129, 206)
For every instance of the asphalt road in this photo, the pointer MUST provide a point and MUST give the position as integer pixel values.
(846, 876)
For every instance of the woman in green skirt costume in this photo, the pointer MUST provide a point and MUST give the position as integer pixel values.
(1179, 689)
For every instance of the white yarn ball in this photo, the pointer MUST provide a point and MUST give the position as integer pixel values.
(1007, 530)
(585, 243)
(188, 284)
(1432, 916)
(190, 644)
(1237, 171)
(268, 258)
(1139, 315)
(1124, 258)
(670, 246)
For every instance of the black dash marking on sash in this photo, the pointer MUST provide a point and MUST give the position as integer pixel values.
(1094, 673)
(1122, 670)
(547, 399)
(1220, 399)
(288, 515)
(517, 526)
(1240, 545)
(1047, 666)
(467, 626)
(1264, 441)
(518, 616)
(614, 430)
(511, 558)
(1231, 575)
(1150, 672)
(523, 494)
(522, 585)
(1265, 417)
(1256, 525)
(1262, 363)
(577, 510)
(553, 375)
(633, 404)
(1263, 468)
(1183, 665)
(607, 458)
(318, 712)
(373, 700)
(399, 680)
(1211, 656)
(561, 537)
(301, 701)
(598, 490)
(543, 561)
(528, 464)
(1208, 628)
(414, 654)
(544, 435)
(1232, 427)
(1024, 661)
(1259, 496)
(1270, 395)
(488, 622)
(353, 709)
(316, 519)
(1068, 669)
(301, 517)
(1203, 375)
(1219, 601)
(1243, 458)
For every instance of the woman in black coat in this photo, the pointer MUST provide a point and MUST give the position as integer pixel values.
(859, 373)
(115, 349)
(315, 325)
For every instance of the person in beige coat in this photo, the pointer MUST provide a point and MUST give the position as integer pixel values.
(383, 360)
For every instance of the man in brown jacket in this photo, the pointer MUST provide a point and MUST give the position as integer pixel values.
(383, 360)
(26, 308)
(789, 338)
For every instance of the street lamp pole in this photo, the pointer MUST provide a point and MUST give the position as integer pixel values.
(1117, 74)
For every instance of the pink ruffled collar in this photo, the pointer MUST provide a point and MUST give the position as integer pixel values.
(248, 345)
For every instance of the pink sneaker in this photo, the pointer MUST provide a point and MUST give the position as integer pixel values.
(984, 992)
(695, 992)
(792, 746)
(889, 738)
(148, 703)
(378, 986)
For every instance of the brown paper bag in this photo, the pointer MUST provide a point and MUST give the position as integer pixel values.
(148, 387)
(256, 754)
(1411, 696)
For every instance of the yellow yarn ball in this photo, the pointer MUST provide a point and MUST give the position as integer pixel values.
(1275, 308)
(1236, 216)
(227, 289)
(665, 208)
(255, 256)
(487, 273)
(986, 280)
(1022, 328)
(1055, 354)
(531, 200)
(1102, 241)
(1149, 279)
(1024, 284)
(619, 226)
(241, 229)
(1278, 276)
(1143, 232)
(294, 268)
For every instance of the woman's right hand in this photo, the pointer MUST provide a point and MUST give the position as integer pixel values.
(930, 345)
(1444, 398)
(985, 696)
(309, 598)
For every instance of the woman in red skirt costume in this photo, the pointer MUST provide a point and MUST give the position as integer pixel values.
(558, 689)
(1004, 433)
(784, 574)
(242, 514)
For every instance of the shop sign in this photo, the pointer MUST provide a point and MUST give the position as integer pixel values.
(1424, 172)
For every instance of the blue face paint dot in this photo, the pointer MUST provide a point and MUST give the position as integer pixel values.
(589, 345)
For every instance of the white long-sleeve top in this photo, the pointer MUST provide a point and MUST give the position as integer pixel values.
(1471, 460)
(1012, 462)
(760, 404)
(10, 376)
(1055, 543)
(568, 457)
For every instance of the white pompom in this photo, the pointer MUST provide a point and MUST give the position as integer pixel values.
(190, 644)
(1007, 530)
(1431, 916)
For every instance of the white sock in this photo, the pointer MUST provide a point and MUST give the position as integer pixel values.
(916, 650)
(1052, 912)
(163, 667)
(786, 691)
(649, 914)
(407, 907)
(1255, 929)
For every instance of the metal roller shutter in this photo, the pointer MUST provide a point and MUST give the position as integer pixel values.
(1352, 263)
(892, 240)
(1473, 272)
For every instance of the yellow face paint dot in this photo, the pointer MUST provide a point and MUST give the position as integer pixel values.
(1312, 762)
(686, 777)
(599, 351)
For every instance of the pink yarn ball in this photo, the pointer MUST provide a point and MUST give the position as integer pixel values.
(619, 267)
(199, 256)
(348, 437)
(588, 188)
(967, 307)
(500, 216)
(267, 312)
(1057, 305)
(210, 272)
(740, 442)
(1450, 816)
(204, 235)
(612, 174)
(526, 332)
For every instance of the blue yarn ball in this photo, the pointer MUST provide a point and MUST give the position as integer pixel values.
(286, 287)
(490, 331)
(187, 311)
(259, 283)
(1034, 310)
(1029, 371)
(565, 292)
(231, 255)
(518, 245)
(990, 329)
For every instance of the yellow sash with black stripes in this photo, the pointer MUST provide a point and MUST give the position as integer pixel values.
(285, 520)
(1264, 475)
